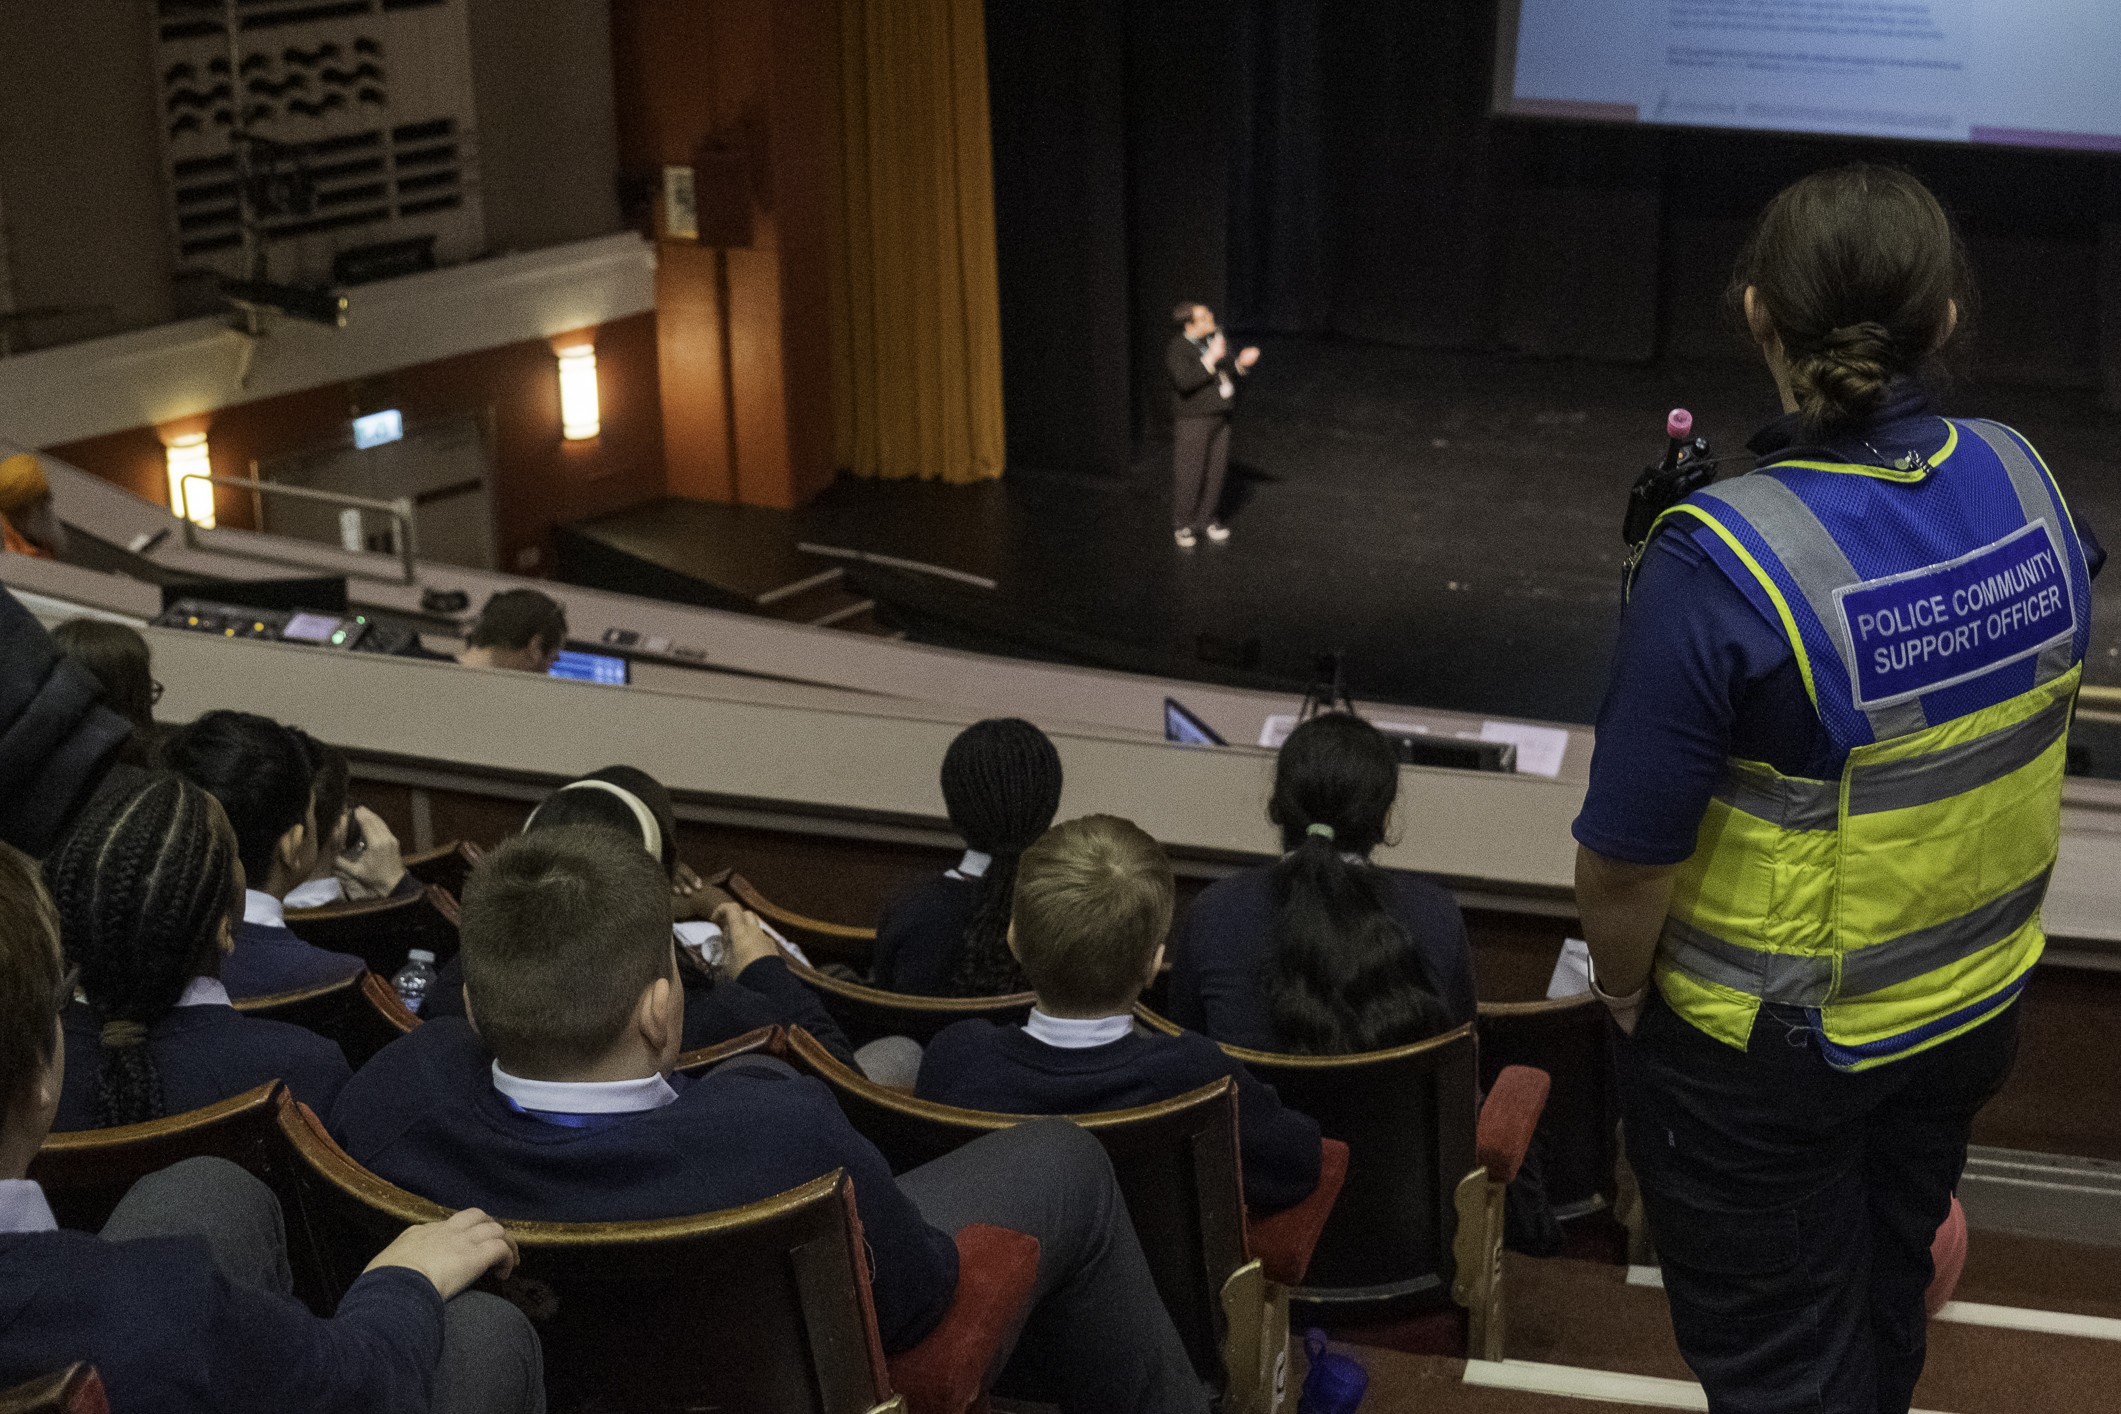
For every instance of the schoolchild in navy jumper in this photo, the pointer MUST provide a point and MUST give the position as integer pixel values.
(561, 1106)
(944, 937)
(729, 989)
(359, 858)
(183, 1303)
(145, 885)
(1324, 952)
(261, 774)
(1093, 902)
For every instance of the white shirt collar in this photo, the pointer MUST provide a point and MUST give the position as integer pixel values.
(204, 991)
(585, 1097)
(973, 866)
(1077, 1033)
(22, 1207)
(263, 908)
(317, 893)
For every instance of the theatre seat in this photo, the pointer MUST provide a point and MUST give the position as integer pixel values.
(1176, 1164)
(867, 1013)
(445, 866)
(78, 1389)
(764, 1308)
(382, 932)
(764, 1041)
(86, 1172)
(1508, 1119)
(362, 1013)
(1284, 1241)
(1572, 1041)
(826, 942)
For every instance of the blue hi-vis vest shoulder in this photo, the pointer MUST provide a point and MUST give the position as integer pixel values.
(1939, 618)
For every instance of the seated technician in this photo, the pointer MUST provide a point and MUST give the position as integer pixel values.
(944, 937)
(183, 1303)
(735, 980)
(1325, 953)
(1093, 901)
(519, 630)
(562, 1105)
(145, 886)
(260, 772)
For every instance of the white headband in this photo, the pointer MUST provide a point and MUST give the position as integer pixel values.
(651, 832)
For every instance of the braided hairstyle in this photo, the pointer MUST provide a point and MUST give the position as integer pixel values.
(1002, 785)
(1863, 277)
(142, 885)
(1343, 976)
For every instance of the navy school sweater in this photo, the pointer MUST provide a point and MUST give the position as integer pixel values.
(269, 960)
(983, 1065)
(766, 993)
(424, 1114)
(918, 936)
(204, 1054)
(169, 1333)
(1225, 938)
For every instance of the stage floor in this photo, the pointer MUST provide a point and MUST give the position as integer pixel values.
(1451, 521)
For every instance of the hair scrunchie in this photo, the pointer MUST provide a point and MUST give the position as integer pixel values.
(123, 1035)
(1319, 829)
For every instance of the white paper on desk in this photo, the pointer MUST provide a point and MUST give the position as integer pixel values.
(1275, 730)
(1539, 749)
(1572, 970)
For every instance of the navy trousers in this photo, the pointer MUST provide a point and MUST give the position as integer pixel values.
(1793, 1205)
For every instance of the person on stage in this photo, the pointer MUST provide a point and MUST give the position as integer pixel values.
(1823, 812)
(1203, 392)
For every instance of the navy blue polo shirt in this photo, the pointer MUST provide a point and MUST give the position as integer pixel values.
(1701, 674)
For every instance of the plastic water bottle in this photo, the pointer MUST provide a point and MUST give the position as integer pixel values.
(414, 978)
(1335, 1384)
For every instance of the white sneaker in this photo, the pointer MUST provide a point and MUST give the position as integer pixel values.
(1218, 532)
(1184, 538)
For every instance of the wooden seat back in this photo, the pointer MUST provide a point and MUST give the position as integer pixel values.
(1570, 1039)
(825, 942)
(1407, 1115)
(1176, 1163)
(86, 1172)
(362, 1013)
(446, 866)
(868, 1013)
(763, 1308)
(382, 932)
(77, 1389)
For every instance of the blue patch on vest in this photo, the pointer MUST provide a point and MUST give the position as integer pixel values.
(1926, 629)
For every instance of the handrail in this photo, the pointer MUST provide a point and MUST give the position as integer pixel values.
(399, 510)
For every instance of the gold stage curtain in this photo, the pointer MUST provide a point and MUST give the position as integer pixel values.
(918, 353)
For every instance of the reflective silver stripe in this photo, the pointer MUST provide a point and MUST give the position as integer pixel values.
(1910, 955)
(1794, 980)
(1788, 801)
(1940, 775)
(1779, 516)
(2038, 500)
(1773, 977)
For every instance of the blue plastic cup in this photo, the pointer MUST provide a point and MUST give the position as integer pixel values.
(1336, 1383)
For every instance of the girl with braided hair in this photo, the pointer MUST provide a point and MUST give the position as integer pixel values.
(949, 936)
(146, 886)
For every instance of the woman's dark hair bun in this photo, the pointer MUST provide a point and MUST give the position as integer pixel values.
(1846, 378)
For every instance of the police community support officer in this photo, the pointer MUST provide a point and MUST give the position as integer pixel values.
(1824, 806)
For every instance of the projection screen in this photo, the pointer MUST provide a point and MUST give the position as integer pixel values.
(2034, 73)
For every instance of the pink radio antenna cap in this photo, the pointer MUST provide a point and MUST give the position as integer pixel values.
(1680, 425)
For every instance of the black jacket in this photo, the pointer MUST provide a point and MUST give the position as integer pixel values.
(1195, 392)
(56, 739)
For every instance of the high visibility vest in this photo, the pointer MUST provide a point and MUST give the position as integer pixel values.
(1939, 616)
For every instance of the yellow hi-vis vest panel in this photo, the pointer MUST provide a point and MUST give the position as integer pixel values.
(1900, 904)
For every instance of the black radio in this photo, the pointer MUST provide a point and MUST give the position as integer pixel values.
(351, 632)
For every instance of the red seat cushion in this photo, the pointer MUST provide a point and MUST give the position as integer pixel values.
(1507, 1118)
(1948, 1255)
(1283, 1241)
(947, 1372)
